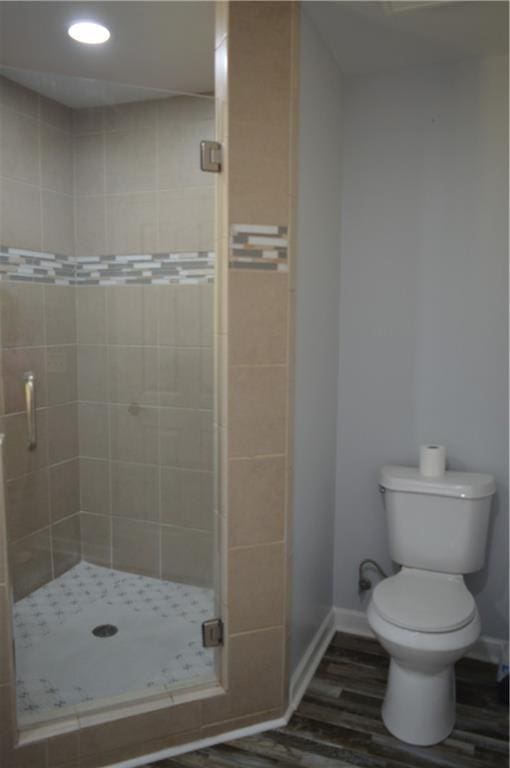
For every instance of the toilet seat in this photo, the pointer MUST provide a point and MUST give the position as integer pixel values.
(424, 601)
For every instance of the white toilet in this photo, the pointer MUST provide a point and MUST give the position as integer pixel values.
(424, 616)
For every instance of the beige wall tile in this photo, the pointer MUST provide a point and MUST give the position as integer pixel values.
(30, 563)
(187, 498)
(63, 749)
(135, 546)
(29, 756)
(19, 147)
(60, 314)
(259, 178)
(257, 410)
(186, 219)
(66, 546)
(19, 461)
(18, 97)
(142, 749)
(95, 486)
(135, 116)
(21, 215)
(256, 587)
(185, 315)
(21, 314)
(131, 223)
(56, 114)
(93, 430)
(92, 373)
(61, 374)
(57, 222)
(258, 317)
(178, 142)
(15, 363)
(181, 111)
(186, 377)
(91, 314)
(90, 226)
(135, 491)
(96, 539)
(186, 438)
(133, 375)
(89, 166)
(62, 432)
(260, 62)
(134, 433)
(256, 500)
(162, 723)
(240, 722)
(255, 676)
(187, 556)
(56, 160)
(88, 120)
(64, 489)
(131, 160)
(132, 315)
(27, 507)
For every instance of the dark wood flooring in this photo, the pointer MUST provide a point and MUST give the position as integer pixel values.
(338, 723)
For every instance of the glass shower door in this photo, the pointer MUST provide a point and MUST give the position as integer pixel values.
(107, 348)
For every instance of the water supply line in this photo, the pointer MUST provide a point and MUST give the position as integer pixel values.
(364, 583)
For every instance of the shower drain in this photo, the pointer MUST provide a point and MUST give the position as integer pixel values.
(105, 630)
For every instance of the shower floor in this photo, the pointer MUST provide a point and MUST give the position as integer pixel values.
(60, 663)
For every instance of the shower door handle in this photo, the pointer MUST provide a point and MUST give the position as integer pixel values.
(29, 380)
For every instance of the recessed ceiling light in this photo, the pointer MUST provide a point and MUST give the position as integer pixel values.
(89, 32)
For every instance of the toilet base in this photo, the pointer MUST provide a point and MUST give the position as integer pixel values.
(419, 707)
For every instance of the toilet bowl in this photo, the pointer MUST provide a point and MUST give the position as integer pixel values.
(426, 621)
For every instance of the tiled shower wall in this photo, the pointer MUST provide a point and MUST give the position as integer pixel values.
(38, 333)
(145, 362)
(124, 418)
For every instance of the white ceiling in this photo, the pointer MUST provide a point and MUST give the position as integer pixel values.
(367, 36)
(162, 47)
(167, 46)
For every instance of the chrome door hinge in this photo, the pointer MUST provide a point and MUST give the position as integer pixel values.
(211, 156)
(212, 633)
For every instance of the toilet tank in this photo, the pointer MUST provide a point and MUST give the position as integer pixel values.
(438, 524)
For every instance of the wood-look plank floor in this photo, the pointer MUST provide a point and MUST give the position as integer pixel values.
(338, 723)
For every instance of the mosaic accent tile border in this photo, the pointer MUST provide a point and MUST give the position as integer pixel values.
(259, 246)
(21, 265)
(142, 269)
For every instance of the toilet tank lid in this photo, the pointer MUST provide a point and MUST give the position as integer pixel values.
(462, 485)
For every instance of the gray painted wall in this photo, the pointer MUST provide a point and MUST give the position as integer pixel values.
(317, 297)
(423, 300)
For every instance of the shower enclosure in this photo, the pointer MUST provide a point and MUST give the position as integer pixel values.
(107, 275)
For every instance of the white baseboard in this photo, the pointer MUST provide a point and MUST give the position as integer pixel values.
(352, 622)
(310, 660)
(489, 649)
(355, 623)
(304, 672)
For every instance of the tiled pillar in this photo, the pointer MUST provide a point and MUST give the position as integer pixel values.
(256, 51)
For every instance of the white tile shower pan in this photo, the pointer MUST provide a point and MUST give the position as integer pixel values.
(60, 663)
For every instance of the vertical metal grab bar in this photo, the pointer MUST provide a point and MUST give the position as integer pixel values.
(29, 380)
